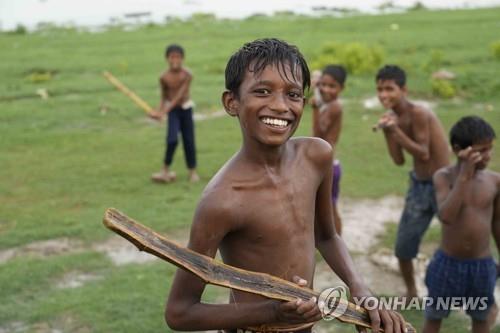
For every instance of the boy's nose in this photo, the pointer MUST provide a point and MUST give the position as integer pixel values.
(278, 103)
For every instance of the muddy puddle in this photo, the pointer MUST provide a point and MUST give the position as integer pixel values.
(42, 249)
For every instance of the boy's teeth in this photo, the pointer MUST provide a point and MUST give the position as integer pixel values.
(275, 122)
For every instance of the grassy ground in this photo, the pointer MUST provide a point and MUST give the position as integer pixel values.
(63, 160)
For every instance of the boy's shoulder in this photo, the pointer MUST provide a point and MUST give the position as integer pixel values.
(314, 149)
(420, 109)
(493, 176)
(334, 107)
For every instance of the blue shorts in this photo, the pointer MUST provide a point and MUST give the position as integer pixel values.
(420, 208)
(337, 174)
(449, 277)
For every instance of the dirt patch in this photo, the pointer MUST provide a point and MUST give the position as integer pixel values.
(122, 252)
(62, 324)
(42, 249)
(364, 220)
(75, 279)
(14, 327)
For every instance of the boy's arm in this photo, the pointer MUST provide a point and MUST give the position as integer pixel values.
(315, 117)
(328, 119)
(496, 217)
(395, 150)
(419, 147)
(334, 250)
(450, 197)
(186, 312)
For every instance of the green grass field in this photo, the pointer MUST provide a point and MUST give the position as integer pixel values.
(63, 161)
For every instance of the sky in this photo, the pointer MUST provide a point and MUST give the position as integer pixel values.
(92, 13)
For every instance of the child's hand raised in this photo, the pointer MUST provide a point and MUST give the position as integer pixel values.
(388, 121)
(156, 115)
(468, 159)
(298, 311)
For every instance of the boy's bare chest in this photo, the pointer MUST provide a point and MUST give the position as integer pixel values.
(480, 193)
(404, 124)
(284, 207)
(173, 80)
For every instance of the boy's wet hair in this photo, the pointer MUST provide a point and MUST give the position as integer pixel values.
(255, 56)
(392, 72)
(174, 48)
(471, 130)
(338, 72)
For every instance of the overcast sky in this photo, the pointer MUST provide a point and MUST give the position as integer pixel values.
(97, 12)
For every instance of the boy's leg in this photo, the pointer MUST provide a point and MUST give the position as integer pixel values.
(431, 326)
(408, 273)
(165, 175)
(480, 326)
(439, 290)
(483, 277)
(188, 141)
(416, 217)
(337, 173)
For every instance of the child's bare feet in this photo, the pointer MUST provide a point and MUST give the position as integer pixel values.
(492, 315)
(193, 177)
(164, 177)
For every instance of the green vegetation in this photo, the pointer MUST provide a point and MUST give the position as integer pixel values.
(443, 88)
(87, 147)
(357, 58)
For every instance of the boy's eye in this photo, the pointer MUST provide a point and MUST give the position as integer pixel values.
(262, 91)
(295, 95)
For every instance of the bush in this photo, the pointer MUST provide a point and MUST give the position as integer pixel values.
(357, 58)
(495, 49)
(435, 61)
(443, 88)
(20, 30)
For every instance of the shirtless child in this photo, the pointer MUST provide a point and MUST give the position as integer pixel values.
(268, 208)
(327, 122)
(175, 102)
(468, 197)
(416, 130)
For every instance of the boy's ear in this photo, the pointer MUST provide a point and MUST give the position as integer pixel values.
(230, 103)
(456, 148)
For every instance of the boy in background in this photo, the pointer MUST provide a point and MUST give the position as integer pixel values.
(327, 122)
(468, 197)
(416, 130)
(175, 102)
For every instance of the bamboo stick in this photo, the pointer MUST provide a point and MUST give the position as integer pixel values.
(130, 94)
(215, 272)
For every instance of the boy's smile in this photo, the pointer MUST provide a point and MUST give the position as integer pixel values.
(329, 88)
(175, 60)
(270, 105)
(389, 93)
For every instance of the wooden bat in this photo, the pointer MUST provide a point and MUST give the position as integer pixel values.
(217, 273)
(133, 96)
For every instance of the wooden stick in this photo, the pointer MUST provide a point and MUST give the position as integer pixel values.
(215, 272)
(133, 96)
